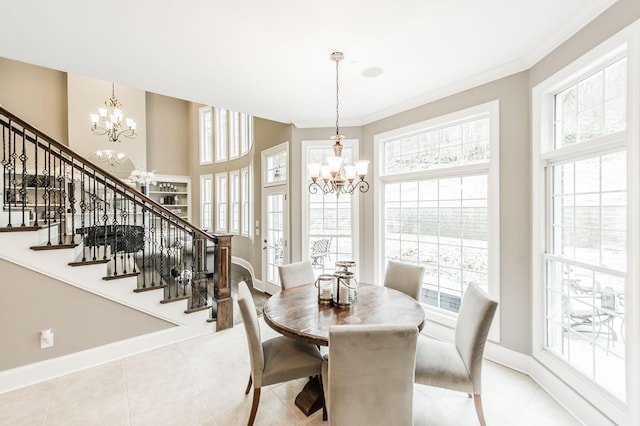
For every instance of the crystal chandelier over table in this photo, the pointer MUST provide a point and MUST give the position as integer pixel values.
(333, 179)
(108, 121)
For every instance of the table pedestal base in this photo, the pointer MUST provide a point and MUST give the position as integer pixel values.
(310, 399)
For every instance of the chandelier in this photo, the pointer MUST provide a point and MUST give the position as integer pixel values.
(112, 158)
(333, 179)
(108, 121)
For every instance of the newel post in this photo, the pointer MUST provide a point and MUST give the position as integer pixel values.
(222, 282)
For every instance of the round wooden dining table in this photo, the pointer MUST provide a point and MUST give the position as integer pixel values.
(296, 313)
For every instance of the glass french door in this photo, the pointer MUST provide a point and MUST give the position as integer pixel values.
(275, 216)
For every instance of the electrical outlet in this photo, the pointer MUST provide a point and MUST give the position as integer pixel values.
(46, 338)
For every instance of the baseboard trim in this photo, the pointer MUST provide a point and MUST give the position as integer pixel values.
(31, 374)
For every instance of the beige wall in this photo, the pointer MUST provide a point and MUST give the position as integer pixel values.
(80, 320)
(267, 134)
(168, 135)
(36, 95)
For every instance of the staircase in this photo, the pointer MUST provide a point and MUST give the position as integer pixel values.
(67, 218)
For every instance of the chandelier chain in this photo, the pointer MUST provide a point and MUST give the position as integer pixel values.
(337, 98)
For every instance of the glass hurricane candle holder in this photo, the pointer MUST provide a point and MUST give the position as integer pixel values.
(345, 285)
(324, 283)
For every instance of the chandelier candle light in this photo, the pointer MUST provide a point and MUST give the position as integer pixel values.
(332, 177)
(108, 121)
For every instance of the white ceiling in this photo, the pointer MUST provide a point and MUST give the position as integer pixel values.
(271, 58)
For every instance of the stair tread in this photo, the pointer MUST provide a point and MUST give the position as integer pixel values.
(56, 243)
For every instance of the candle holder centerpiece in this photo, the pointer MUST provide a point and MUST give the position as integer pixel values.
(324, 284)
(345, 285)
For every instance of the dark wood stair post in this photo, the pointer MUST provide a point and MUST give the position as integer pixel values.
(222, 282)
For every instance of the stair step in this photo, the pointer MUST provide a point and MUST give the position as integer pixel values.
(67, 242)
(150, 287)
(175, 298)
(19, 228)
(89, 262)
(198, 309)
(120, 276)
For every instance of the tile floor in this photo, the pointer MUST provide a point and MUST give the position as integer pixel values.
(201, 382)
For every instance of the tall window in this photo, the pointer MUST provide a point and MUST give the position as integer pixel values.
(332, 230)
(206, 139)
(246, 133)
(221, 134)
(439, 202)
(581, 155)
(206, 201)
(234, 183)
(246, 185)
(234, 134)
(221, 202)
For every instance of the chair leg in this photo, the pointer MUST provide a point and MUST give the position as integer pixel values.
(246, 392)
(478, 403)
(254, 406)
(324, 401)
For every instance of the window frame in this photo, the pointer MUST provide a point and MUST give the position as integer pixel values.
(206, 143)
(233, 118)
(234, 202)
(246, 197)
(206, 199)
(542, 145)
(221, 124)
(354, 145)
(246, 134)
(221, 218)
(490, 168)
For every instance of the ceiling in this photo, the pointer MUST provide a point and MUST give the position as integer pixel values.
(271, 58)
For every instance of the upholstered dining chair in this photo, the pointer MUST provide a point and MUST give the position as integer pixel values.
(458, 365)
(276, 360)
(295, 274)
(404, 277)
(368, 378)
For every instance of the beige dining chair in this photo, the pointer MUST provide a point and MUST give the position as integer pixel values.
(404, 277)
(295, 274)
(458, 365)
(276, 360)
(368, 379)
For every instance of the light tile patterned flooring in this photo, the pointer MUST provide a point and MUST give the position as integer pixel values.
(202, 381)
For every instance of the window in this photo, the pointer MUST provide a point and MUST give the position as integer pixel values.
(221, 202)
(276, 168)
(206, 197)
(581, 172)
(234, 134)
(439, 202)
(246, 133)
(234, 181)
(221, 134)
(206, 140)
(332, 230)
(246, 184)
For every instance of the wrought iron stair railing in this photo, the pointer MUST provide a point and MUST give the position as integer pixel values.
(46, 184)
